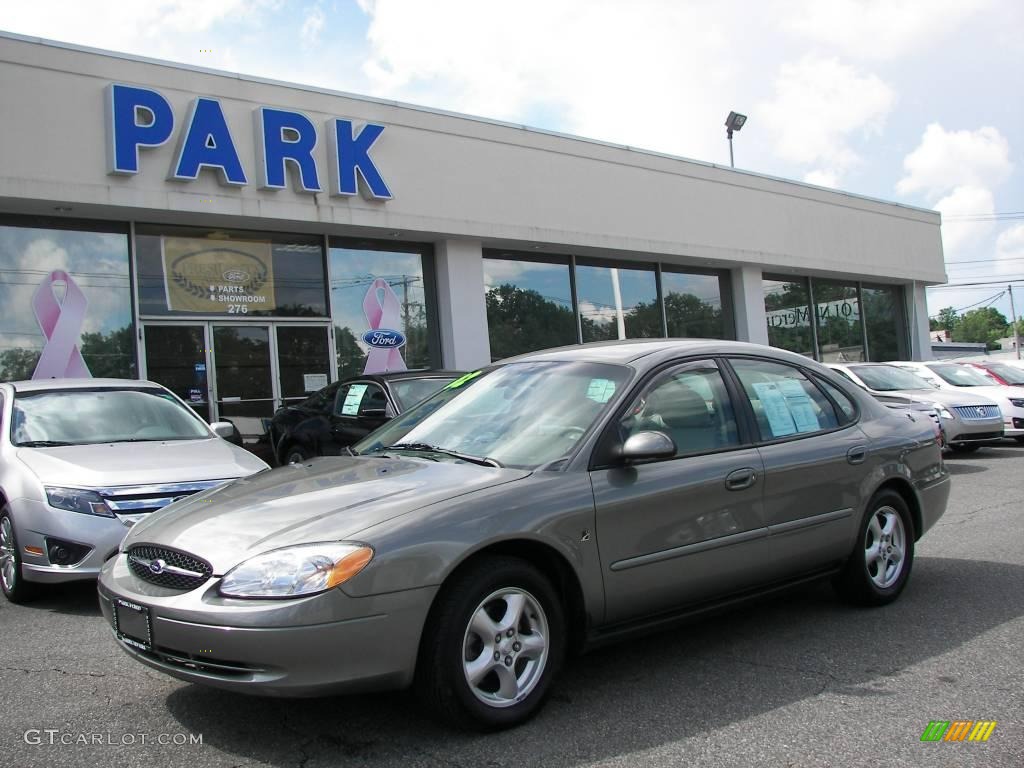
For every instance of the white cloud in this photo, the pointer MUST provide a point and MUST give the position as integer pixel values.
(879, 29)
(313, 26)
(1010, 253)
(945, 160)
(960, 236)
(654, 74)
(170, 29)
(819, 108)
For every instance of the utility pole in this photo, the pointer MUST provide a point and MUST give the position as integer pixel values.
(1013, 315)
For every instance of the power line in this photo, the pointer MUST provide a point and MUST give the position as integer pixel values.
(985, 216)
(986, 302)
(982, 283)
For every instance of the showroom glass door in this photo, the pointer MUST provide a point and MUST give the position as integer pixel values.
(243, 377)
(177, 356)
(303, 361)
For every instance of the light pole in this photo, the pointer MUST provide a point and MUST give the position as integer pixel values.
(733, 122)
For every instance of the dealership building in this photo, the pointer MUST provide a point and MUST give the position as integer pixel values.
(245, 241)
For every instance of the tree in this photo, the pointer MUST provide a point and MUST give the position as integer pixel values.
(985, 325)
(522, 320)
(947, 320)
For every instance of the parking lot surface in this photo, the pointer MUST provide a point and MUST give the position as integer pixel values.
(797, 680)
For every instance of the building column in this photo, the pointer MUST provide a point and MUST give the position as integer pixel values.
(916, 297)
(461, 309)
(748, 305)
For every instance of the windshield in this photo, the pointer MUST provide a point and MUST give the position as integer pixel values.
(408, 392)
(887, 378)
(962, 376)
(1007, 373)
(86, 416)
(520, 415)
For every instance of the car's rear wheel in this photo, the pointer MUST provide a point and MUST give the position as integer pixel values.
(878, 569)
(964, 447)
(1019, 439)
(296, 454)
(493, 643)
(13, 584)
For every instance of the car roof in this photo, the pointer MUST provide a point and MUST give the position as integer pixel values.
(633, 350)
(404, 375)
(49, 385)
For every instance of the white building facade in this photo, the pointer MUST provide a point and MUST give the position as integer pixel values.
(245, 241)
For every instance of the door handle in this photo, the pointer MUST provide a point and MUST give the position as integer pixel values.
(740, 479)
(857, 455)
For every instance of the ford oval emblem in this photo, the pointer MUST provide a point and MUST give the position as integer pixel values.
(236, 276)
(157, 566)
(384, 338)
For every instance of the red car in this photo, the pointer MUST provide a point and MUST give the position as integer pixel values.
(1003, 373)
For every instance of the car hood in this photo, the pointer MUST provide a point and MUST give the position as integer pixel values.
(327, 499)
(105, 465)
(996, 393)
(948, 397)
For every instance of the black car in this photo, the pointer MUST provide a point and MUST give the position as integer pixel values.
(346, 411)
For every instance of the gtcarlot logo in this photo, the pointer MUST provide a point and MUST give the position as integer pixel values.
(55, 737)
(958, 730)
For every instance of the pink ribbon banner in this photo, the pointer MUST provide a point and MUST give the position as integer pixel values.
(383, 312)
(61, 322)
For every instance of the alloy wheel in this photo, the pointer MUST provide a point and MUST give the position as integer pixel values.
(8, 560)
(885, 542)
(505, 647)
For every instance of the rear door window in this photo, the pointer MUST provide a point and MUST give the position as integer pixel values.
(785, 402)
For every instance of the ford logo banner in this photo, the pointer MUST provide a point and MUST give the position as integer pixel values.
(384, 339)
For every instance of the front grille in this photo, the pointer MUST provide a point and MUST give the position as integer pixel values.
(976, 436)
(977, 412)
(131, 503)
(163, 566)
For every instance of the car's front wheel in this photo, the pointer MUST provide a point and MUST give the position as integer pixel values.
(879, 566)
(13, 584)
(296, 454)
(494, 641)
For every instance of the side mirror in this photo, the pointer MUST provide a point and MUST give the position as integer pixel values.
(226, 430)
(647, 445)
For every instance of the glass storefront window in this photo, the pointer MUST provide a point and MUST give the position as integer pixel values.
(885, 322)
(66, 298)
(529, 305)
(376, 292)
(837, 312)
(788, 313)
(185, 271)
(693, 305)
(606, 294)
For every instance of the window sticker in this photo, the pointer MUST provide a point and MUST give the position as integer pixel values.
(463, 379)
(780, 421)
(800, 405)
(352, 399)
(601, 390)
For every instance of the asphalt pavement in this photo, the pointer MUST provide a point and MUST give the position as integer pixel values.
(798, 680)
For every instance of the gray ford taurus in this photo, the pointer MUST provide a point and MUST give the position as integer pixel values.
(537, 507)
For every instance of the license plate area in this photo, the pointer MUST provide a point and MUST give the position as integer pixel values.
(132, 624)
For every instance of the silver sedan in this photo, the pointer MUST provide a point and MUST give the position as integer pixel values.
(542, 505)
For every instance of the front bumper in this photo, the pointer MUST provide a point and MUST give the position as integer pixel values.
(323, 644)
(958, 430)
(35, 522)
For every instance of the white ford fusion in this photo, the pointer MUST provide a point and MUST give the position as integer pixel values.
(82, 460)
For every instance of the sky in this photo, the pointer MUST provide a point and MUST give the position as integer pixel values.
(913, 101)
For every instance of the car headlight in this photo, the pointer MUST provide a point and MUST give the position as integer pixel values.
(942, 410)
(77, 500)
(296, 571)
(1016, 402)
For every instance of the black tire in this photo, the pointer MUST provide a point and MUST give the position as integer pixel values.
(441, 678)
(1019, 439)
(13, 585)
(964, 447)
(859, 581)
(295, 454)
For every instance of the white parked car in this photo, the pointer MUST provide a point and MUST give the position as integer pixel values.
(957, 376)
(82, 460)
(964, 417)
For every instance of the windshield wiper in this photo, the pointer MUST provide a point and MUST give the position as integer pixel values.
(483, 461)
(43, 444)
